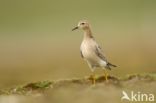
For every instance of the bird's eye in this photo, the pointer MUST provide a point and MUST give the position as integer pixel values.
(82, 23)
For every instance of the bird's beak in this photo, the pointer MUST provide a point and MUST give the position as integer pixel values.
(75, 28)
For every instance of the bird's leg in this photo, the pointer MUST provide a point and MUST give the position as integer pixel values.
(92, 76)
(106, 75)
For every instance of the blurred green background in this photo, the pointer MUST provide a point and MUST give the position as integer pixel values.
(36, 42)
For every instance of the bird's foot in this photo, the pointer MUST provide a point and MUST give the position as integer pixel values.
(106, 76)
(92, 78)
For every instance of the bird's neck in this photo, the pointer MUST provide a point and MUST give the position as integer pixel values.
(87, 33)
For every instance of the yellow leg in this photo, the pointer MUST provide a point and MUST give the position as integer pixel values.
(106, 75)
(92, 77)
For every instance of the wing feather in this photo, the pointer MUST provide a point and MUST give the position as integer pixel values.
(100, 53)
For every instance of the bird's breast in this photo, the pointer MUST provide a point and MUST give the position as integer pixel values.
(88, 50)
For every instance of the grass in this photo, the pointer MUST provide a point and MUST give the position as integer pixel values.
(80, 90)
(46, 85)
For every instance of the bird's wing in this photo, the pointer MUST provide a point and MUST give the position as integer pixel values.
(100, 53)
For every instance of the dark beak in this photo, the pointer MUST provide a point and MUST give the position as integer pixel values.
(75, 28)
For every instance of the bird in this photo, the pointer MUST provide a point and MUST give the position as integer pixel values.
(91, 52)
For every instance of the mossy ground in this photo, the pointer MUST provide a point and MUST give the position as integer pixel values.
(45, 85)
(81, 90)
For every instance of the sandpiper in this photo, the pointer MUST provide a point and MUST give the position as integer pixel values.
(91, 51)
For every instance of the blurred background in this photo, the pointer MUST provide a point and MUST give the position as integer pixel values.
(36, 41)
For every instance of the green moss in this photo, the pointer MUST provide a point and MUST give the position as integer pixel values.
(27, 88)
(44, 85)
(38, 85)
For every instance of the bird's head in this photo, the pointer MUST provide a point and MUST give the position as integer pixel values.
(82, 25)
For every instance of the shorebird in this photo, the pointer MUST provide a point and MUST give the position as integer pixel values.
(91, 52)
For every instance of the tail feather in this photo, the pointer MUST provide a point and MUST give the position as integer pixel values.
(109, 65)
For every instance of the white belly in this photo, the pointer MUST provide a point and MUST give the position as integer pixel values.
(89, 54)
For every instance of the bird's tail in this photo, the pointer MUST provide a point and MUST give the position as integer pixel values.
(109, 65)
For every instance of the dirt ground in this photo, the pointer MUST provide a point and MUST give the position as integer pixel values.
(81, 90)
